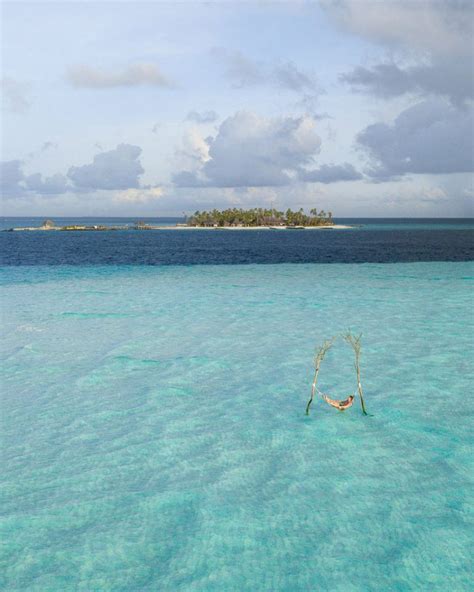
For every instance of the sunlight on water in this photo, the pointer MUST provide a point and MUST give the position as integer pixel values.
(155, 436)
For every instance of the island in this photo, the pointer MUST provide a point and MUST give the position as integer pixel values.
(260, 217)
(230, 219)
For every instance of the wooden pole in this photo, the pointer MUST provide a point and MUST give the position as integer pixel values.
(317, 364)
(356, 346)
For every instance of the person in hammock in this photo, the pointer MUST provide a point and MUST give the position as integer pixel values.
(341, 405)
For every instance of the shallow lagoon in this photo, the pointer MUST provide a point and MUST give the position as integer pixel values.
(155, 437)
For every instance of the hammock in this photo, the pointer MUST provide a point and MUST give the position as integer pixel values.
(354, 342)
(341, 405)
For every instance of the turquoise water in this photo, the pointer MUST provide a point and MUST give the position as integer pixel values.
(154, 435)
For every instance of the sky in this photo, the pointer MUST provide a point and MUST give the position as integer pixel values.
(358, 107)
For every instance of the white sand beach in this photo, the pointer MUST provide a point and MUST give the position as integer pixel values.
(79, 228)
(334, 227)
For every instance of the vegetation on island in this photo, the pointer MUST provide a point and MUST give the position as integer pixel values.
(260, 217)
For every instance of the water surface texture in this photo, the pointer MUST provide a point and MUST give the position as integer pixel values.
(155, 436)
(370, 241)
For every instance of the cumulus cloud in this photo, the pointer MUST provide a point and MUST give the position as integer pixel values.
(15, 95)
(430, 42)
(14, 182)
(115, 169)
(436, 37)
(203, 117)
(331, 173)
(245, 72)
(11, 178)
(144, 74)
(194, 151)
(430, 137)
(254, 151)
(53, 185)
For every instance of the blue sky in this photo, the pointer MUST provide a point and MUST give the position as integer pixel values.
(117, 108)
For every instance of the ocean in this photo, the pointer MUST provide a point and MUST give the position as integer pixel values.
(154, 386)
(369, 241)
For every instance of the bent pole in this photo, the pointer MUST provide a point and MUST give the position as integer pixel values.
(356, 346)
(317, 364)
(359, 387)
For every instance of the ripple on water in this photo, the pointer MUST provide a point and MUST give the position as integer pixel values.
(155, 436)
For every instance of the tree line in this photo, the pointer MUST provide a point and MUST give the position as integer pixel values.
(260, 217)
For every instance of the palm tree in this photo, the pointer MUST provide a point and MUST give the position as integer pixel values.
(255, 217)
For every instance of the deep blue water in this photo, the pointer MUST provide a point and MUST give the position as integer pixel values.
(370, 241)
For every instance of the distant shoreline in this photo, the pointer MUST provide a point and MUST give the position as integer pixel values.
(148, 227)
(328, 227)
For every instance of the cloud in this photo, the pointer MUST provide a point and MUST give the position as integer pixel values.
(143, 74)
(138, 196)
(431, 137)
(194, 151)
(48, 145)
(288, 76)
(437, 26)
(435, 36)
(331, 173)
(253, 151)
(53, 185)
(44, 148)
(203, 117)
(11, 178)
(14, 182)
(245, 72)
(238, 68)
(433, 195)
(115, 169)
(15, 95)
(188, 179)
(431, 46)
(443, 77)
(309, 103)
